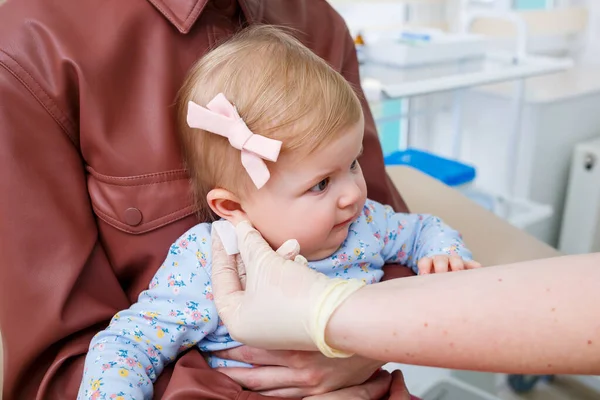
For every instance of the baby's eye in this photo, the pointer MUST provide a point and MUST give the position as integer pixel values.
(354, 165)
(319, 187)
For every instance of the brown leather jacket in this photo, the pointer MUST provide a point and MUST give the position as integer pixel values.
(92, 189)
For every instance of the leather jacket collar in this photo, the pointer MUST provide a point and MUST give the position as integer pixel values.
(183, 14)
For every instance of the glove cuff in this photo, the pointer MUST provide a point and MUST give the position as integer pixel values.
(335, 293)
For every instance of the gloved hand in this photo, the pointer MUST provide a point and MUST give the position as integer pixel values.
(285, 305)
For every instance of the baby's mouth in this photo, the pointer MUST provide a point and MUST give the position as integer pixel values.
(344, 223)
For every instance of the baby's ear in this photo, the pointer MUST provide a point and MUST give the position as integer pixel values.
(226, 205)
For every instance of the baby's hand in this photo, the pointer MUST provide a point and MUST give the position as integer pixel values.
(441, 263)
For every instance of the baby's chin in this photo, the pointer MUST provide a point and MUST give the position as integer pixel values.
(328, 251)
(321, 254)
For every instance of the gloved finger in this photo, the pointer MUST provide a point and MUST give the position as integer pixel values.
(254, 249)
(289, 250)
(241, 269)
(301, 260)
(225, 278)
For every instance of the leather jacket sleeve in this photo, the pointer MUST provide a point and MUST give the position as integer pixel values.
(57, 288)
(48, 305)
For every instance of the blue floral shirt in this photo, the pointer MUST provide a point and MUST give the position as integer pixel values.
(177, 310)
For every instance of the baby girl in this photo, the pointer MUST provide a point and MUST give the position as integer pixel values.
(271, 134)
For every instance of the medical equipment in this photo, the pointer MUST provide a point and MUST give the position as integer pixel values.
(416, 47)
(396, 82)
(580, 231)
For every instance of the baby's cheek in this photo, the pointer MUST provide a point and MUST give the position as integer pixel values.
(313, 238)
(303, 227)
(278, 232)
(274, 238)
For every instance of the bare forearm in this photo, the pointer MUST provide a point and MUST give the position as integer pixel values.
(538, 317)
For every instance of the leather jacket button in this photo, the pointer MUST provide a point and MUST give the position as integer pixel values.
(133, 216)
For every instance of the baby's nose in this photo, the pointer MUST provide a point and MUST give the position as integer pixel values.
(350, 196)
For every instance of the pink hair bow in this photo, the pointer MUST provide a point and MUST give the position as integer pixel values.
(221, 117)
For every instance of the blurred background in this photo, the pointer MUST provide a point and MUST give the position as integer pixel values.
(499, 99)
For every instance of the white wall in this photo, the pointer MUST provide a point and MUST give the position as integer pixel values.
(591, 52)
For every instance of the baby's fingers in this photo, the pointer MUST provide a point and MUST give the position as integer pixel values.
(441, 264)
(456, 263)
(425, 266)
(472, 265)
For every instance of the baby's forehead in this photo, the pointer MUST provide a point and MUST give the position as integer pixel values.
(337, 153)
(329, 157)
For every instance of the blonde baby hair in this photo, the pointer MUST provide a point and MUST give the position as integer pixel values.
(281, 90)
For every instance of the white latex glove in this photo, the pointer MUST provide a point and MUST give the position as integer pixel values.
(285, 305)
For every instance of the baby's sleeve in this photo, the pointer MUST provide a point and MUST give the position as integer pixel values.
(406, 238)
(174, 314)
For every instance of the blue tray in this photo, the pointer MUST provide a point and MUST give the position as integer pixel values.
(452, 173)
